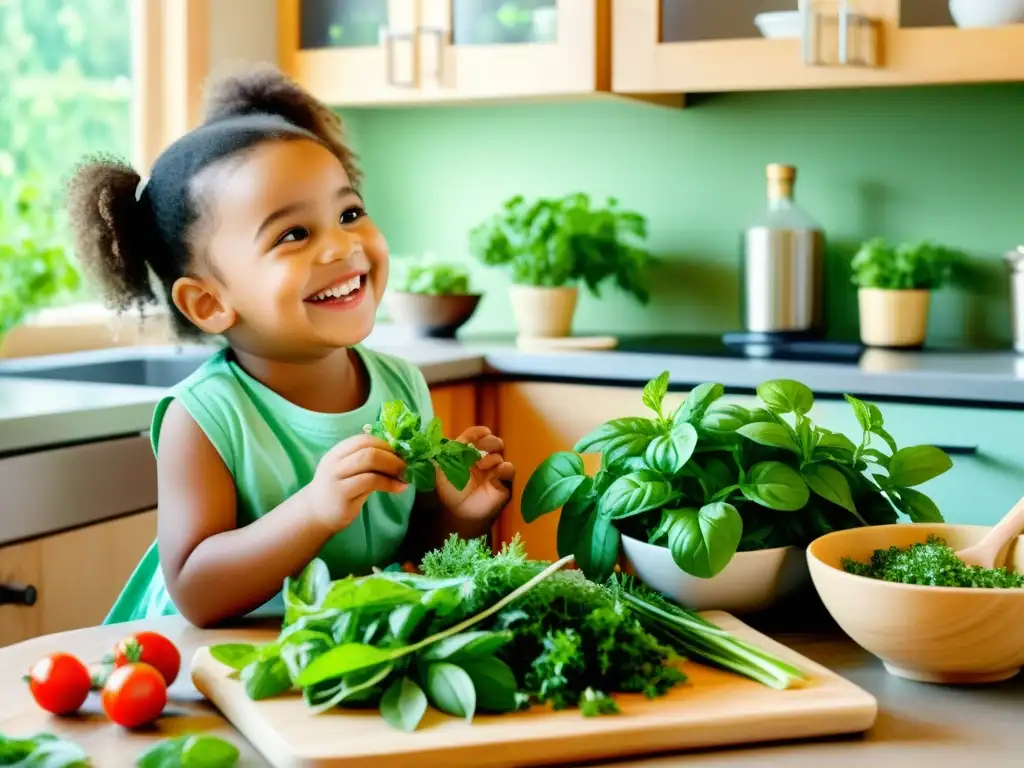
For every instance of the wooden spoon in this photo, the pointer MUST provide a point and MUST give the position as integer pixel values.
(986, 552)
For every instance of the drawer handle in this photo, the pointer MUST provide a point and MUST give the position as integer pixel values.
(389, 42)
(442, 36)
(959, 450)
(18, 595)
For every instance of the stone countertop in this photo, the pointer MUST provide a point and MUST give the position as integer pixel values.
(918, 725)
(35, 413)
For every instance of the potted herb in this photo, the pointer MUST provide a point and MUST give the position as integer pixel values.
(894, 289)
(712, 484)
(551, 245)
(432, 298)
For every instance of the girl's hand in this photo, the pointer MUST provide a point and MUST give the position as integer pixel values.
(490, 480)
(347, 475)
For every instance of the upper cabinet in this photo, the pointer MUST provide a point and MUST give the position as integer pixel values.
(364, 52)
(680, 46)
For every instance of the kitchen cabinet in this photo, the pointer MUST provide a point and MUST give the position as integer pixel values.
(537, 419)
(77, 575)
(455, 405)
(376, 52)
(685, 46)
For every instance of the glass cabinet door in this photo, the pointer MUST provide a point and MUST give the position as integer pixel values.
(500, 48)
(342, 23)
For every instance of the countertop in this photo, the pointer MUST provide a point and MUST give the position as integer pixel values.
(36, 413)
(918, 726)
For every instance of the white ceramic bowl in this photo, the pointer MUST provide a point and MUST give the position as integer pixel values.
(986, 13)
(751, 582)
(780, 24)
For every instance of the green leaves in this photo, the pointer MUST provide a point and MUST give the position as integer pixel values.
(619, 439)
(922, 265)
(190, 751)
(634, 494)
(43, 750)
(431, 277)
(451, 689)
(404, 705)
(829, 483)
(552, 484)
(786, 396)
(916, 465)
(703, 541)
(399, 426)
(697, 402)
(668, 453)
(654, 393)
(775, 485)
(915, 505)
(770, 434)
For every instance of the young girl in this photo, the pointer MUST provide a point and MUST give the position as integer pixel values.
(254, 227)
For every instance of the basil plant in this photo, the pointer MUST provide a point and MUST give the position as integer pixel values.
(713, 478)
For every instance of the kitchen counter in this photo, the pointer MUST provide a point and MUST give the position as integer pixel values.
(918, 726)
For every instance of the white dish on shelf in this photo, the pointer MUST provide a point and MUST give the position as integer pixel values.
(780, 25)
(986, 13)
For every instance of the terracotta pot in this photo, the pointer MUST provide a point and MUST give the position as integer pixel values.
(542, 312)
(891, 318)
(432, 316)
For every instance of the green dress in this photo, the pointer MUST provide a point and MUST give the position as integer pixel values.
(271, 447)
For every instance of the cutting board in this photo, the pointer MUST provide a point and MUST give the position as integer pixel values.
(713, 709)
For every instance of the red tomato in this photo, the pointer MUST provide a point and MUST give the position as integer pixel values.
(134, 695)
(59, 683)
(150, 648)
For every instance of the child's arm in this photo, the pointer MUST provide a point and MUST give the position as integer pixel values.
(215, 570)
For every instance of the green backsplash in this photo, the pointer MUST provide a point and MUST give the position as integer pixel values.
(941, 163)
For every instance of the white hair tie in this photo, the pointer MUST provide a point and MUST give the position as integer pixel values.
(141, 187)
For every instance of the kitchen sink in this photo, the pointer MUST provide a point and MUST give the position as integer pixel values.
(139, 366)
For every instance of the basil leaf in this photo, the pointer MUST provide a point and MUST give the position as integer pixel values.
(456, 460)
(704, 541)
(44, 750)
(571, 523)
(234, 655)
(829, 483)
(344, 659)
(403, 705)
(369, 594)
(918, 507)
(724, 418)
(654, 393)
(451, 689)
(552, 484)
(860, 410)
(434, 432)
(466, 645)
(420, 474)
(775, 485)
(697, 402)
(772, 435)
(619, 439)
(634, 494)
(835, 440)
(403, 620)
(917, 464)
(889, 441)
(786, 396)
(201, 751)
(398, 419)
(494, 682)
(266, 678)
(597, 550)
(669, 453)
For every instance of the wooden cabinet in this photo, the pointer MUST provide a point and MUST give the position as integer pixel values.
(372, 52)
(681, 46)
(455, 405)
(77, 575)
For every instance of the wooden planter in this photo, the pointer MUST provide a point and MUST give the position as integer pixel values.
(891, 318)
(542, 312)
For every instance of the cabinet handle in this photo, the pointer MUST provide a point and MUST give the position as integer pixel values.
(959, 450)
(389, 38)
(442, 37)
(18, 595)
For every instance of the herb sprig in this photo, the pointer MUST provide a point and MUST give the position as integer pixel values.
(425, 449)
(712, 477)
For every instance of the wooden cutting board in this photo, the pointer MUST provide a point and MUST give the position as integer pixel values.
(713, 709)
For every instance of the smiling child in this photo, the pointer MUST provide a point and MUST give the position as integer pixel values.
(255, 231)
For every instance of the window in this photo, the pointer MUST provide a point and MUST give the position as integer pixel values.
(65, 92)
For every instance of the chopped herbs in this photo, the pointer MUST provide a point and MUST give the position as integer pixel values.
(931, 564)
(423, 449)
(482, 632)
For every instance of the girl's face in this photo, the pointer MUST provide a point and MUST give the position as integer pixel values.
(291, 257)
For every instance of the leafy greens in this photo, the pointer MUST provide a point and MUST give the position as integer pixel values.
(713, 478)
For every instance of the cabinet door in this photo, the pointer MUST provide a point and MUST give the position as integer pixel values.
(77, 575)
(350, 52)
(473, 49)
(455, 406)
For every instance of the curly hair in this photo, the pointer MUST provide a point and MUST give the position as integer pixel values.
(125, 232)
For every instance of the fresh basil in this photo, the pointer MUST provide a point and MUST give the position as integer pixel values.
(619, 439)
(915, 505)
(43, 750)
(668, 453)
(697, 402)
(654, 393)
(724, 418)
(494, 682)
(597, 550)
(266, 678)
(786, 396)
(234, 655)
(775, 485)
(552, 484)
(404, 705)
(466, 645)
(451, 689)
(772, 435)
(916, 465)
(571, 524)
(634, 494)
(829, 483)
(703, 541)
(190, 751)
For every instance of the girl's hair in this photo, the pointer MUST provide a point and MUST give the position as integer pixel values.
(124, 227)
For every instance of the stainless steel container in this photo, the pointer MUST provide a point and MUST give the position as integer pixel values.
(1015, 263)
(783, 265)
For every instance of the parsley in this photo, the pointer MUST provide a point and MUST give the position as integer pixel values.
(932, 564)
(424, 449)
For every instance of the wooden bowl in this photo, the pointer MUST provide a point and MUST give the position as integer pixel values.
(930, 634)
(433, 316)
(750, 583)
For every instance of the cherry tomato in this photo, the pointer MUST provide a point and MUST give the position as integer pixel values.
(59, 683)
(134, 695)
(150, 648)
